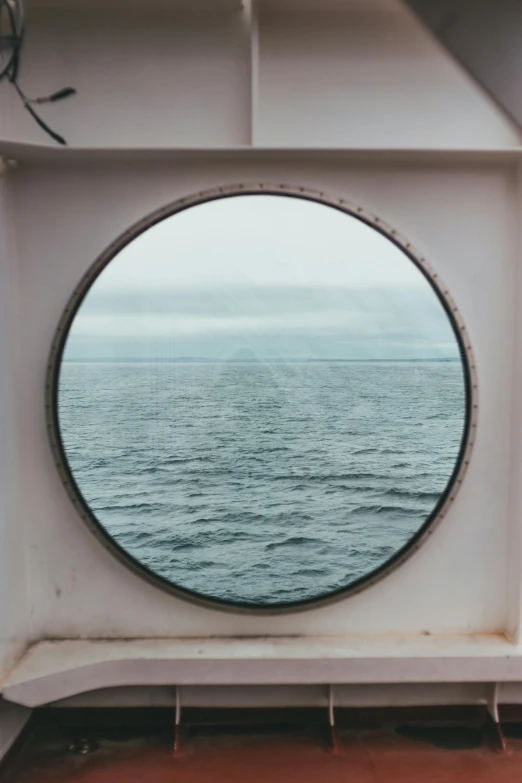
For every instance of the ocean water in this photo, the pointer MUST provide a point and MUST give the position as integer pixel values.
(265, 483)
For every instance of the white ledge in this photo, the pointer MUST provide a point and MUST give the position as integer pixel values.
(54, 670)
(48, 153)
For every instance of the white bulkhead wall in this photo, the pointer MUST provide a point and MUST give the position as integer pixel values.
(368, 76)
(461, 217)
(14, 615)
(14, 605)
(323, 74)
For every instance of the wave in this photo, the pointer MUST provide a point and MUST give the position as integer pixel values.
(242, 490)
(293, 541)
(382, 509)
(131, 507)
(413, 494)
(180, 543)
(181, 460)
(330, 477)
(310, 572)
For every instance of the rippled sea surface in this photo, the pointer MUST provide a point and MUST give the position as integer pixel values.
(262, 482)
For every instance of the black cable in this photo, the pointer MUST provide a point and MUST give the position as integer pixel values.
(17, 29)
(37, 118)
(10, 70)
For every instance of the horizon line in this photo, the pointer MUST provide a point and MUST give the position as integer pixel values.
(271, 360)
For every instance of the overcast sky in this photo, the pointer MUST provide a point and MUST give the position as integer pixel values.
(265, 277)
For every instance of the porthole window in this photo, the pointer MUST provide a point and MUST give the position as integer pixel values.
(261, 398)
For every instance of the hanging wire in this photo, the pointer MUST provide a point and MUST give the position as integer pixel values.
(12, 20)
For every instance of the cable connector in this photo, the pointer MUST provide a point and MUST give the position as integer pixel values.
(56, 96)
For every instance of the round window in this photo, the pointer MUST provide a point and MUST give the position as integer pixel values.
(261, 398)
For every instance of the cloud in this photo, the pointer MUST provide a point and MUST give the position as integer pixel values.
(260, 241)
(340, 320)
(281, 276)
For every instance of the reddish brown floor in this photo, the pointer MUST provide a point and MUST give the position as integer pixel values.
(367, 757)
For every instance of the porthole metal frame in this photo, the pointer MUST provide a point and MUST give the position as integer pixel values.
(446, 498)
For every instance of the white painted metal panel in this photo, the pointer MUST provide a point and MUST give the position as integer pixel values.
(461, 218)
(484, 35)
(168, 79)
(57, 670)
(514, 558)
(14, 619)
(366, 78)
(240, 696)
(344, 74)
(360, 78)
(61, 157)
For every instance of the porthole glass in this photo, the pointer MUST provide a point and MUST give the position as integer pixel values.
(260, 399)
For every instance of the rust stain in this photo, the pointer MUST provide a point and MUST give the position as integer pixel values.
(372, 757)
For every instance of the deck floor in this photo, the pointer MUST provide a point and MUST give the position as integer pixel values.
(365, 757)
